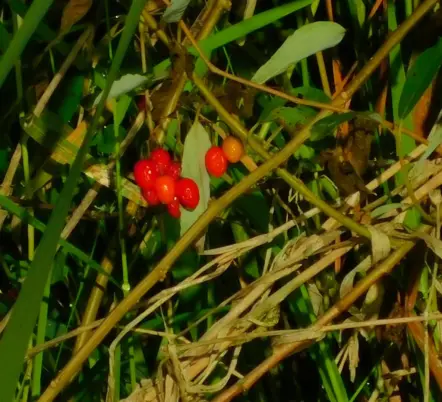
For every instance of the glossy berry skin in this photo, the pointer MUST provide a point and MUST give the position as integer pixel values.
(216, 161)
(174, 208)
(145, 173)
(188, 193)
(162, 159)
(174, 170)
(165, 188)
(151, 196)
(233, 149)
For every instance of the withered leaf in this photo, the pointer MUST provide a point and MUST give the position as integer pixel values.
(357, 150)
(236, 99)
(342, 173)
(349, 161)
(73, 12)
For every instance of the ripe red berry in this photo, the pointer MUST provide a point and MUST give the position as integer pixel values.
(145, 173)
(174, 208)
(233, 149)
(174, 170)
(216, 161)
(151, 196)
(188, 193)
(165, 188)
(162, 158)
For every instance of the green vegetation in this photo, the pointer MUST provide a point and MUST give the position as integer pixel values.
(308, 271)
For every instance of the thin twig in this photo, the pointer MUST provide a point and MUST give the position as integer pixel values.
(61, 73)
(6, 188)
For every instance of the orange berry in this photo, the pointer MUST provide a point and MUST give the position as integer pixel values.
(233, 149)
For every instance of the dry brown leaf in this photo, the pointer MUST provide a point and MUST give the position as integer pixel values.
(434, 244)
(421, 172)
(302, 247)
(348, 281)
(73, 12)
(373, 300)
(315, 298)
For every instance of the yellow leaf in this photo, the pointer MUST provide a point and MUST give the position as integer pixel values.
(73, 12)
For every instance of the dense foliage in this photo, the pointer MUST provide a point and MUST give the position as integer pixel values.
(302, 264)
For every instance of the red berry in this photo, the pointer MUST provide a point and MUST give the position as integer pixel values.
(141, 103)
(151, 196)
(216, 161)
(145, 173)
(188, 193)
(162, 158)
(174, 208)
(233, 149)
(174, 170)
(165, 188)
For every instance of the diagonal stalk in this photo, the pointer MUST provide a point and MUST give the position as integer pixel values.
(160, 271)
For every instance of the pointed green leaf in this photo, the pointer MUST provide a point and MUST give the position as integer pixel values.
(196, 145)
(419, 77)
(304, 42)
(124, 85)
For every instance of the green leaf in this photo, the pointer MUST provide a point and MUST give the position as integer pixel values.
(383, 209)
(412, 219)
(327, 125)
(419, 77)
(71, 97)
(106, 140)
(122, 106)
(196, 145)
(305, 152)
(304, 42)
(175, 11)
(236, 32)
(245, 27)
(291, 117)
(124, 85)
(329, 187)
(311, 93)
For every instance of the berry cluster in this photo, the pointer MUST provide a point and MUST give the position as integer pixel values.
(217, 158)
(160, 181)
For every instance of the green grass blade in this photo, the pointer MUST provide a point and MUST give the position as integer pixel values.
(33, 17)
(37, 368)
(16, 336)
(42, 31)
(245, 27)
(29, 219)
